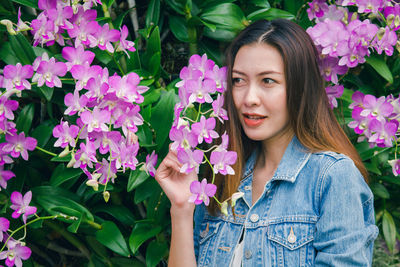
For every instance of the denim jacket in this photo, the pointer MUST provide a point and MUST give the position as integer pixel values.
(315, 211)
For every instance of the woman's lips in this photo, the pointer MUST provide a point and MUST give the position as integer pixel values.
(253, 119)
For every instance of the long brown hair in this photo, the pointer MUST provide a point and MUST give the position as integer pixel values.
(310, 116)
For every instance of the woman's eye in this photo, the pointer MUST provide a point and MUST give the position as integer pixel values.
(236, 80)
(268, 81)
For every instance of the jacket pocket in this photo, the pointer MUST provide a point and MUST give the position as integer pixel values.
(208, 233)
(291, 242)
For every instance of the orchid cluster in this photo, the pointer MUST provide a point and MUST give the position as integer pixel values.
(344, 40)
(107, 106)
(72, 23)
(102, 116)
(108, 118)
(13, 251)
(201, 104)
(377, 121)
(16, 145)
(16, 251)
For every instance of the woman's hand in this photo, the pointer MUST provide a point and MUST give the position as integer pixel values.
(176, 185)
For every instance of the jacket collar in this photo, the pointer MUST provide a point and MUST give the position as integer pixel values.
(292, 162)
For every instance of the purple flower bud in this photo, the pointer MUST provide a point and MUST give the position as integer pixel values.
(395, 166)
(151, 162)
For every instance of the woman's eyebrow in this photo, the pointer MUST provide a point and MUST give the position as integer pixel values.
(238, 72)
(269, 72)
(259, 74)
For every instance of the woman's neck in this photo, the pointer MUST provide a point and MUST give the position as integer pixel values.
(273, 151)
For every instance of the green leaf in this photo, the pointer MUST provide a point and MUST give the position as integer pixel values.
(153, 43)
(380, 190)
(153, 13)
(25, 117)
(372, 167)
(47, 92)
(43, 133)
(55, 200)
(212, 50)
(102, 56)
(155, 252)
(141, 233)
(120, 213)
(124, 262)
(178, 28)
(108, 3)
(145, 190)
(97, 247)
(389, 230)
(381, 67)
(111, 237)
(29, 3)
(19, 51)
(152, 57)
(162, 117)
(269, 14)
(177, 6)
(118, 21)
(7, 54)
(146, 113)
(221, 34)
(155, 64)
(151, 96)
(26, 46)
(146, 82)
(133, 61)
(67, 158)
(62, 174)
(292, 5)
(227, 15)
(366, 152)
(261, 3)
(390, 179)
(145, 136)
(136, 178)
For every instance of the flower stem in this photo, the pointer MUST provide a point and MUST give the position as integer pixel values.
(212, 169)
(45, 151)
(24, 226)
(77, 137)
(217, 200)
(198, 113)
(118, 65)
(94, 225)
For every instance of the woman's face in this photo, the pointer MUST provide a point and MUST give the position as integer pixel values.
(259, 92)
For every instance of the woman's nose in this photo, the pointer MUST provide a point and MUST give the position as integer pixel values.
(251, 97)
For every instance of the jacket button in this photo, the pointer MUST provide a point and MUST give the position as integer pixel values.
(247, 254)
(254, 217)
(247, 187)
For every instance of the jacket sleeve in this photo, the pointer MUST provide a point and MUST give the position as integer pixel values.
(346, 230)
(198, 218)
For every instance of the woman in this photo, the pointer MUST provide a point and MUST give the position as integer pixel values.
(305, 200)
